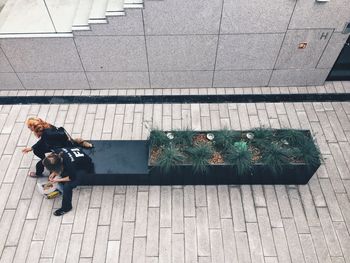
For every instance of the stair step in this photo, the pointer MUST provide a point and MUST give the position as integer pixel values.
(82, 15)
(133, 3)
(115, 6)
(23, 16)
(98, 10)
(62, 13)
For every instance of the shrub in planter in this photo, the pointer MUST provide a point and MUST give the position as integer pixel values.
(240, 158)
(224, 139)
(200, 155)
(170, 158)
(184, 137)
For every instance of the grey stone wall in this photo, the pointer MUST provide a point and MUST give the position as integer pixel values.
(186, 43)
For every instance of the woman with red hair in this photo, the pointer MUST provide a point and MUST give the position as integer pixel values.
(50, 137)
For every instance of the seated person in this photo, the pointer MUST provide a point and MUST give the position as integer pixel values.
(71, 165)
(50, 137)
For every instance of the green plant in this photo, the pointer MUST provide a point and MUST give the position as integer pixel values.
(262, 133)
(200, 155)
(292, 137)
(240, 158)
(169, 158)
(224, 139)
(310, 153)
(183, 137)
(274, 156)
(158, 138)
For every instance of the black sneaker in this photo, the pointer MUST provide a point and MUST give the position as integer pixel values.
(61, 211)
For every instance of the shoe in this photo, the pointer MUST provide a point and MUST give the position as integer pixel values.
(34, 175)
(61, 211)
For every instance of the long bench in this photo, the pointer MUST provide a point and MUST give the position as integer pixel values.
(118, 163)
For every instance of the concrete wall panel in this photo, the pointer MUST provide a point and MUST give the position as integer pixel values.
(248, 51)
(182, 17)
(112, 53)
(298, 77)
(172, 53)
(118, 80)
(181, 79)
(4, 64)
(130, 24)
(310, 14)
(9, 81)
(332, 50)
(255, 16)
(42, 54)
(239, 78)
(57, 80)
(292, 57)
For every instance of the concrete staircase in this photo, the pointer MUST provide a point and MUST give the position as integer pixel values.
(54, 18)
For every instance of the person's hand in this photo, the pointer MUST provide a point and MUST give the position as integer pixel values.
(52, 176)
(55, 180)
(27, 150)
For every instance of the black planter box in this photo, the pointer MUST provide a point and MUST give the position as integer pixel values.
(293, 173)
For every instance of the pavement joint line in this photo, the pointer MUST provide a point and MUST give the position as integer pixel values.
(185, 99)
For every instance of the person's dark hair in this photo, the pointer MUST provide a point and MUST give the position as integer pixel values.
(53, 162)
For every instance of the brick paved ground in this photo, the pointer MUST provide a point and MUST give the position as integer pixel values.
(308, 223)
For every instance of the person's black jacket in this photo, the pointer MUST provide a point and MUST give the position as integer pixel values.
(52, 138)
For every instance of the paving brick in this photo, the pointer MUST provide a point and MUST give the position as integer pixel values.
(213, 207)
(152, 232)
(195, 117)
(177, 211)
(255, 242)
(308, 248)
(298, 212)
(43, 220)
(96, 196)
(5, 226)
(165, 245)
(237, 210)
(101, 243)
(316, 192)
(190, 240)
(117, 217)
(17, 224)
(81, 211)
(234, 119)
(178, 248)
(329, 232)
(189, 203)
(320, 244)
(224, 201)
(74, 248)
(202, 227)
(258, 194)
(112, 253)
(283, 201)
(24, 242)
(215, 120)
(106, 208)
(62, 243)
(266, 232)
(51, 237)
(130, 203)
(141, 214)
(248, 204)
(35, 205)
(216, 246)
(89, 238)
(242, 247)
(229, 242)
(281, 245)
(34, 251)
(165, 206)
(331, 200)
(309, 206)
(243, 116)
(154, 196)
(294, 245)
(344, 239)
(5, 190)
